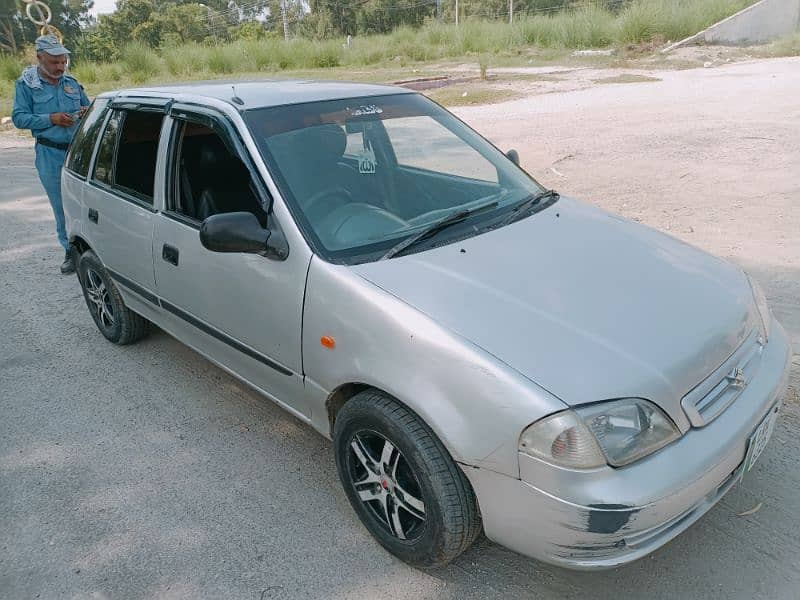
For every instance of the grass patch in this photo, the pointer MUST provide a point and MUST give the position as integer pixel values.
(141, 62)
(787, 46)
(541, 39)
(87, 73)
(10, 67)
(626, 78)
(223, 60)
(468, 95)
(673, 19)
(186, 60)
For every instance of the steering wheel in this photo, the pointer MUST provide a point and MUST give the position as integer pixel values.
(349, 223)
(323, 202)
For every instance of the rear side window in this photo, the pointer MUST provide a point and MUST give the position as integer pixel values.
(128, 151)
(103, 166)
(82, 146)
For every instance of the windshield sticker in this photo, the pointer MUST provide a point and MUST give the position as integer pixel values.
(365, 110)
(366, 161)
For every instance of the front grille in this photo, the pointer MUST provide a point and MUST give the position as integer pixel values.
(717, 392)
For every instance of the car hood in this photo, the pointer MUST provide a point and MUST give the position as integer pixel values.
(586, 304)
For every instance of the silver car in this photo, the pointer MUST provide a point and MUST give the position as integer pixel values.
(484, 353)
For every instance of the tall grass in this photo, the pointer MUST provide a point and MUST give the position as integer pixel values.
(141, 62)
(672, 19)
(10, 67)
(86, 72)
(587, 25)
(786, 46)
(185, 60)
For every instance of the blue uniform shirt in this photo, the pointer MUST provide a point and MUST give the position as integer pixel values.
(36, 99)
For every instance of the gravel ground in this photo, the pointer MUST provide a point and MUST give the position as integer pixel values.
(146, 471)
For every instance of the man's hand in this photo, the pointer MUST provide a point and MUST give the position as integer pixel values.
(61, 119)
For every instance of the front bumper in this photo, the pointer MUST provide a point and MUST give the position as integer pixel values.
(607, 517)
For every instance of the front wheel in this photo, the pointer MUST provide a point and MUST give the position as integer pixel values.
(402, 482)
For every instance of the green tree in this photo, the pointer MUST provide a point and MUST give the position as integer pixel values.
(154, 24)
(69, 16)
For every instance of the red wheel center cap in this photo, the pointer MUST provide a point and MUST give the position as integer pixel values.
(385, 484)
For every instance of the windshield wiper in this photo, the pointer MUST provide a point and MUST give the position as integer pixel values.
(527, 204)
(436, 227)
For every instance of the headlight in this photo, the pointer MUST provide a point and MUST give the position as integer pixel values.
(562, 439)
(617, 432)
(763, 307)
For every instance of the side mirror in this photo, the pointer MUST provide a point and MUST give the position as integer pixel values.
(513, 155)
(234, 232)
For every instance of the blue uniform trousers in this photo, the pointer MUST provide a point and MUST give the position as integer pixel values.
(49, 162)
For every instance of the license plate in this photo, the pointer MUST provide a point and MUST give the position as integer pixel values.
(758, 441)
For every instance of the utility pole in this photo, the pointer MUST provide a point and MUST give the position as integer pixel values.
(285, 22)
(211, 27)
(439, 10)
(456, 13)
(510, 11)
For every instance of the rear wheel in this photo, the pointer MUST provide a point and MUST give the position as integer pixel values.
(115, 321)
(402, 482)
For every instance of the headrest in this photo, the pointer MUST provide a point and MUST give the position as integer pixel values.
(212, 152)
(323, 143)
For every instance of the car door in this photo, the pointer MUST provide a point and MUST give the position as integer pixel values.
(243, 311)
(120, 200)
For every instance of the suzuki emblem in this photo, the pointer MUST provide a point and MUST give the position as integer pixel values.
(736, 378)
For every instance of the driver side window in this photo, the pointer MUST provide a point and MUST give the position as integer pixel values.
(209, 179)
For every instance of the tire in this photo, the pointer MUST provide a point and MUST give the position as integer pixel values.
(402, 483)
(115, 321)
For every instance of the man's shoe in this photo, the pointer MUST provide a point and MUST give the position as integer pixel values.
(68, 266)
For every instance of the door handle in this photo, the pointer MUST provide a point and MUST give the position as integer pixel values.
(170, 254)
(93, 215)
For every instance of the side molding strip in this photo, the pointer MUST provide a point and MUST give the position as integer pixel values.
(153, 299)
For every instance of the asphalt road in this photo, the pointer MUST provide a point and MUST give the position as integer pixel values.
(145, 471)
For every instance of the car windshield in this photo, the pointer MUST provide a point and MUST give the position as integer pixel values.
(363, 174)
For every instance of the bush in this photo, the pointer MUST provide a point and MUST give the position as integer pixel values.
(186, 59)
(223, 59)
(326, 55)
(140, 61)
(109, 72)
(261, 54)
(787, 46)
(10, 67)
(86, 72)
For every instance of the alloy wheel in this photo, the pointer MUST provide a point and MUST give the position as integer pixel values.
(385, 483)
(99, 298)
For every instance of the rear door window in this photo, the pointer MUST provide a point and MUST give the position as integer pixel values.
(104, 164)
(126, 160)
(82, 147)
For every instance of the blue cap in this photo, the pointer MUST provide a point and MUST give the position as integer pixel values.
(51, 45)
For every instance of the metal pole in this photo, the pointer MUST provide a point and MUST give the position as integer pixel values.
(211, 26)
(456, 13)
(285, 22)
(510, 11)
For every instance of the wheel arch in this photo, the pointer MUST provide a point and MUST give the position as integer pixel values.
(80, 244)
(342, 395)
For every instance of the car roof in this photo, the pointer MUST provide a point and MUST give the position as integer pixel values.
(266, 92)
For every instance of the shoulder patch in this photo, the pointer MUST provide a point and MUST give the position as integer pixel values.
(72, 79)
(30, 77)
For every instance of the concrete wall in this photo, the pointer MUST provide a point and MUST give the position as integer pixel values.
(762, 22)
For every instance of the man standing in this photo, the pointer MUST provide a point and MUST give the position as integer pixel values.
(49, 103)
